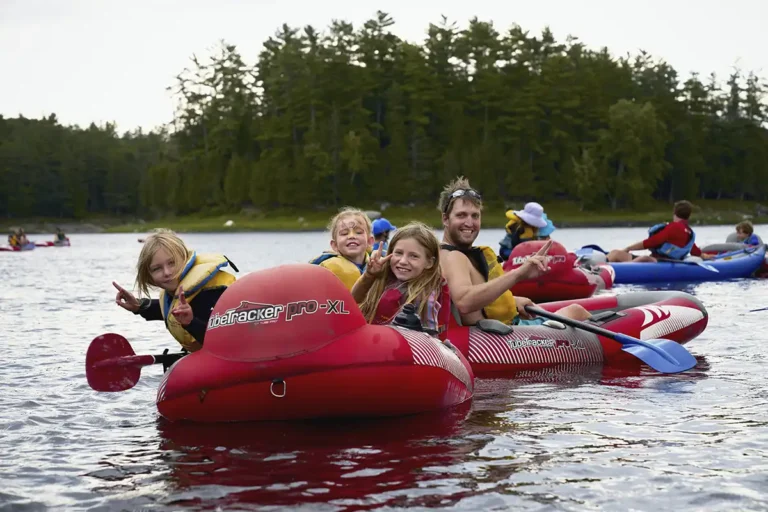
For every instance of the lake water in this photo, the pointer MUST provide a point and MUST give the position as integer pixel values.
(588, 439)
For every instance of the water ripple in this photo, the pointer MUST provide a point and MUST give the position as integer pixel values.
(572, 438)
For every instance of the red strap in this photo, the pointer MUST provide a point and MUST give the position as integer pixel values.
(444, 316)
(389, 306)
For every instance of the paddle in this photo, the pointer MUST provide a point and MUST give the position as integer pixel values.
(695, 262)
(759, 309)
(665, 356)
(595, 248)
(112, 365)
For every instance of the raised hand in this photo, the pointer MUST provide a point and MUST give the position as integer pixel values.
(125, 299)
(183, 312)
(536, 265)
(377, 263)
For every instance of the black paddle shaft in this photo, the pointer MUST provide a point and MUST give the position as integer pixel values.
(570, 321)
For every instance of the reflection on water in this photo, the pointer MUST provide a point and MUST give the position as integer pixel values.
(564, 438)
(316, 462)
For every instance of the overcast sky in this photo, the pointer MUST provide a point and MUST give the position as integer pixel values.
(108, 60)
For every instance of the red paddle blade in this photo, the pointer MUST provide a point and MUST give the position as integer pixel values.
(103, 366)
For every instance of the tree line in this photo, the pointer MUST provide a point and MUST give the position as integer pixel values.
(359, 115)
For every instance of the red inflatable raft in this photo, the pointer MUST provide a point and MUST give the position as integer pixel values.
(565, 281)
(673, 315)
(290, 343)
(15, 248)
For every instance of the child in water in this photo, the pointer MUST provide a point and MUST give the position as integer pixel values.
(189, 283)
(350, 239)
(408, 274)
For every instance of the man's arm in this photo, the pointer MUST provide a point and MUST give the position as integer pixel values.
(659, 239)
(696, 251)
(652, 242)
(469, 297)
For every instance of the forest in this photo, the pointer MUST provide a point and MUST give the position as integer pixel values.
(356, 115)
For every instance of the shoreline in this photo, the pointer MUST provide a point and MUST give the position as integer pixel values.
(89, 227)
(563, 214)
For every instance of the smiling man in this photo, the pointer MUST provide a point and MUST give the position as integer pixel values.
(478, 285)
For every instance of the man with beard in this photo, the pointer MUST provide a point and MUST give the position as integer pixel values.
(478, 286)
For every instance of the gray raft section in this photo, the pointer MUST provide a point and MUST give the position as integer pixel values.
(731, 239)
(726, 247)
(635, 299)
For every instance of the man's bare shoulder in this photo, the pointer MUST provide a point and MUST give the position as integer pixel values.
(454, 261)
(452, 256)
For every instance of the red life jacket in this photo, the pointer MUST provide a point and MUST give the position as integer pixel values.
(393, 300)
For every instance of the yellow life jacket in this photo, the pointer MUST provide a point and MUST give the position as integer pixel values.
(13, 241)
(201, 272)
(485, 260)
(513, 225)
(344, 269)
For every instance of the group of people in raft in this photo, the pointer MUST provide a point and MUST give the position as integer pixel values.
(383, 276)
(18, 238)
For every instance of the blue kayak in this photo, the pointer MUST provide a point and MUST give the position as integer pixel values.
(730, 265)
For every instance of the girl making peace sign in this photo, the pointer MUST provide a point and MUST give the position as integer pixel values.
(190, 284)
(408, 274)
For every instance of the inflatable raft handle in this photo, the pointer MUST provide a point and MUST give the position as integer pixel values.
(662, 355)
(272, 387)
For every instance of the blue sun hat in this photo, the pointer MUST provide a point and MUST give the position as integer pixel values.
(549, 228)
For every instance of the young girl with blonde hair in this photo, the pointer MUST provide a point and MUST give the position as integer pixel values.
(351, 237)
(190, 285)
(408, 274)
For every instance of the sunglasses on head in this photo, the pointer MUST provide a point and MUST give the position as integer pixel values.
(462, 192)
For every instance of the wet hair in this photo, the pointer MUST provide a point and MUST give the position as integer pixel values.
(446, 201)
(160, 239)
(345, 212)
(683, 210)
(418, 289)
(745, 227)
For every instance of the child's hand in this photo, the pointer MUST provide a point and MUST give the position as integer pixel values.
(376, 263)
(183, 312)
(125, 299)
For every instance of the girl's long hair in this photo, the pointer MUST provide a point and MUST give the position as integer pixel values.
(418, 289)
(160, 239)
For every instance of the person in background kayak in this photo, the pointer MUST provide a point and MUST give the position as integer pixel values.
(13, 239)
(479, 287)
(22, 237)
(409, 274)
(350, 239)
(60, 236)
(745, 234)
(522, 226)
(381, 230)
(190, 285)
(672, 241)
